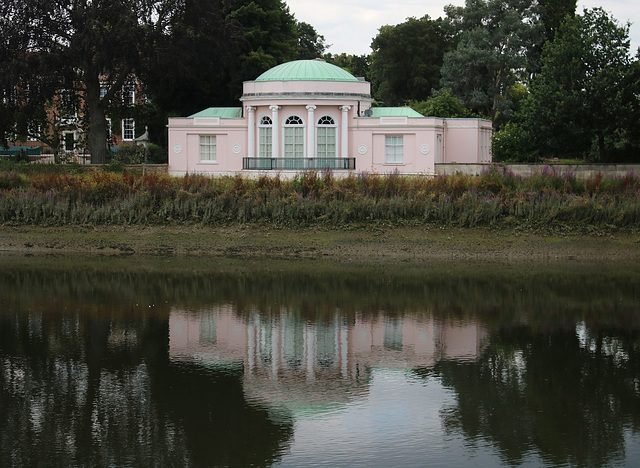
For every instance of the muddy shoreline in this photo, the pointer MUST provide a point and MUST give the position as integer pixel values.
(363, 245)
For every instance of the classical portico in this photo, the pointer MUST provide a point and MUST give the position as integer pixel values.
(311, 104)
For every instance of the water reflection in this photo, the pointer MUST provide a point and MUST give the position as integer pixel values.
(105, 363)
(314, 366)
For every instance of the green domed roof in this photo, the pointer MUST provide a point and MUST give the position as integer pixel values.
(306, 70)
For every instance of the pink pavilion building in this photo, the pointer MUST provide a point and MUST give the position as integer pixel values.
(310, 114)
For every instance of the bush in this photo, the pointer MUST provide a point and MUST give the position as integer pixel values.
(512, 143)
(130, 154)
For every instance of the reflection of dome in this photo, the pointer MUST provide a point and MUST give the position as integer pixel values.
(306, 70)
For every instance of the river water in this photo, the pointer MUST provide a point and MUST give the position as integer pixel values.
(116, 361)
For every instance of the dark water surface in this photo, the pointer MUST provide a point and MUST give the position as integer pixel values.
(136, 362)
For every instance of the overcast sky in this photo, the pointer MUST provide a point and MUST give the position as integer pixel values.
(350, 25)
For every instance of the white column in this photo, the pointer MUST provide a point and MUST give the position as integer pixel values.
(275, 132)
(251, 143)
(311, 136)
(344, 138)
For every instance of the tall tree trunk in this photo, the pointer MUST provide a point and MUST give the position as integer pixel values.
(97, 122)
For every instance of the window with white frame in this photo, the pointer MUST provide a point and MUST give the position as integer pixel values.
(293, 137)
(128, 129)
(34, 131)
(104, 89)
(128, 95)
(393, 149)
(265, 137)
(326, 137)
(68, 106)
(207, 148)
(9, 95)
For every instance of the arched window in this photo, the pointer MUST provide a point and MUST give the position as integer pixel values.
(293, 137)
(326, 137)
(265, 136)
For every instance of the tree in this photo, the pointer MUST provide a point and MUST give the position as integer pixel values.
(406, 59)
(492, 53)
(89, 49)
(578, 106)
(554, 13)
(311, 45)
(269, 37)
(357, 65)
(442, 104)
(193, 66)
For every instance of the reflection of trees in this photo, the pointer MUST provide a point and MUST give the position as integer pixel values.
(497, 293)
(91, 389)
(568, 397)
(85, 376)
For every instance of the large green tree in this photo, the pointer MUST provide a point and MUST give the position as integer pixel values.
(406, 59)
(580, 104)
(86, 49)
(271, 35)
(191, 68)
(493, 51)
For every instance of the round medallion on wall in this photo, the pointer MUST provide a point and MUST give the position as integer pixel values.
(424, 149)
(177, 149)
(362, 149)
(236, 148)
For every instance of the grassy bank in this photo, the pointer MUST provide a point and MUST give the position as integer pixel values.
(491, 199)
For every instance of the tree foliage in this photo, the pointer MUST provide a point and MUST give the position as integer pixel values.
(442, 104)
(357, 65)
(492, 53)
(579, 105)
(406, 59)
(78, 47)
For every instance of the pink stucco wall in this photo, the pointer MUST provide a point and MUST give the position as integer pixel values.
(467, 141)
(426, 140)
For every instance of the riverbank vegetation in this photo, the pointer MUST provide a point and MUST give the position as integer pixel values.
(494, 198)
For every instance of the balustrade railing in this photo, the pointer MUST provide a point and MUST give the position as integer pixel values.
(298, 164)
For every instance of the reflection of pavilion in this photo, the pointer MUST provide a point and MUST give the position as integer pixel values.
(289, 359)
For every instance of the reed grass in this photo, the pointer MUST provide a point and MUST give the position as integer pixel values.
(492, 198)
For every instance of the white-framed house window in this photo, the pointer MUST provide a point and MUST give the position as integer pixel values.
(69, 141)
(68, 106)
(265, 137)
(393, 149)
(128, 125)
(34, 132)
(294, 137)
(9, 95)
(128, 95)
(326, 137)
(128, 129)
(208, 148)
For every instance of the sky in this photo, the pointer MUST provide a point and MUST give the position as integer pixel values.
(350, 25)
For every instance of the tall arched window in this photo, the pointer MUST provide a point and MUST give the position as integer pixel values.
(265, 136)
(293, 137)
(326, 137)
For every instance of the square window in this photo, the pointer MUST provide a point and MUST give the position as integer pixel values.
(207, 148)
(394, 149)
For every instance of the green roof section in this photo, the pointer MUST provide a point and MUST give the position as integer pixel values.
(222, 112)
(394, 112)
(306, 70)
